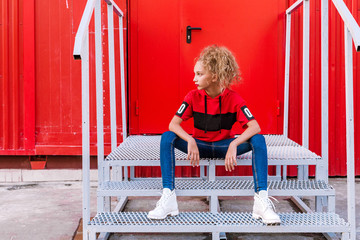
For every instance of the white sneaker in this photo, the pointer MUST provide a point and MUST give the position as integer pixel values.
(165, 206)
(265, 209)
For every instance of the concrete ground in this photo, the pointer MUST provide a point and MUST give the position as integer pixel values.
(52, 210)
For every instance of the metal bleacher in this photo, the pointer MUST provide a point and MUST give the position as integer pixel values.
(115, 181)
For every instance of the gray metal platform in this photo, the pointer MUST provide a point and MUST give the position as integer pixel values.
(215, 223)
(145, 151)
(198, 187)
(154, 141)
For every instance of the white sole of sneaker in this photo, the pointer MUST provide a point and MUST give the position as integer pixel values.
(267, 222)
(173, 213)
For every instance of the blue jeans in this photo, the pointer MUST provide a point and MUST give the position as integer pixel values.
(170, 141)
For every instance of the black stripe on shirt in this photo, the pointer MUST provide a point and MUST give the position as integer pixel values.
(213, 121)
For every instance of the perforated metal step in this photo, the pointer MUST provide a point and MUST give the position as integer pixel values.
(216, 222)
(198, 187)
(145, 151)
(154, 141)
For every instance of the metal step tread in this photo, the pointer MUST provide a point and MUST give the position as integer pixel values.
(147, 153)
(213, 222)
(154, 141)
(199, 187)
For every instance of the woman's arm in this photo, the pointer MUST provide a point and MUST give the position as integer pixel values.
(252, 129)
(193, 151)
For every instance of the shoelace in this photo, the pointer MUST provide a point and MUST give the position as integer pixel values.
(269, 203)
(163, 198)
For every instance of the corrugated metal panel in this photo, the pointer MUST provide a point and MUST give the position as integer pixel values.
(58, 85)
(337, 127)
(15, 139)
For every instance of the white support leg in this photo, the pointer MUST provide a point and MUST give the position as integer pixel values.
(306, 65)
(284, 176)
(322, 168)
(202, 172)
(126, 175)
(92, 235)
(331, 204)
(345, 236)
(320, 203)
(223, 236)
(85, 133)
(132, 172)
(300, 204)
(212, 171)
(215, 235)
(300, 172)
(112, 84)
(278, 171)
(103, 236)
(350, 152)
(214, 204)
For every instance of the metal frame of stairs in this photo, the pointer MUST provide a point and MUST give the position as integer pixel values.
(144, 151)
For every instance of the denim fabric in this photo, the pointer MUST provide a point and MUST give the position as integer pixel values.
(170, 141)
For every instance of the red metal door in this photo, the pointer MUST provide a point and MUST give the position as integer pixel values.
(162, 64)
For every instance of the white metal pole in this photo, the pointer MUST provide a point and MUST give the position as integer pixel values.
(286, 87)
(287, 74)
(306, 54)
(103, 172)
(303, 170)
(349, 21)
(85, 132)
(99, 91)
(122, 69)
(112, 77)
(322, 170)
(350, 132)
(123, 85)
(294, 6)
(322, 167)
(83, 27)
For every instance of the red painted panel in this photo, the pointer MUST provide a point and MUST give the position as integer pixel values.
(337, 127)
(58, 88)
(29, 73)
(171, 77)
(12, 136)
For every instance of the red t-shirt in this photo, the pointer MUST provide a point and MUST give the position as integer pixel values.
(214, 117)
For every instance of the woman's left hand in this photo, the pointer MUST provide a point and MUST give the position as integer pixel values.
(230, 158)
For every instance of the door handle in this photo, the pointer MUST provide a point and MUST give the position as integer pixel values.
(188, 33)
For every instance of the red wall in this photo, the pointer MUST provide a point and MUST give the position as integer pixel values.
(40, 81)
(43, 117)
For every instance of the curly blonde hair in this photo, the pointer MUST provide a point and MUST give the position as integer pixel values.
(221, 63)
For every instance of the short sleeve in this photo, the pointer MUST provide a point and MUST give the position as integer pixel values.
(244, 115)
(185, 110)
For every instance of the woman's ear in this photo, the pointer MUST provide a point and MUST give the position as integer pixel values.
(214, 78)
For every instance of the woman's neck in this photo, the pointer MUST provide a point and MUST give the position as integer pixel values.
(214, 91)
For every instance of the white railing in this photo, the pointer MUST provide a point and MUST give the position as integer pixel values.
(302, 170)
(81, 51)
(351, 32)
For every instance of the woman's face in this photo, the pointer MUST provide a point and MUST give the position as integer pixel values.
(202, 78)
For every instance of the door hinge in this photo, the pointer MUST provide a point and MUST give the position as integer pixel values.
(278, 107)
(137, 107)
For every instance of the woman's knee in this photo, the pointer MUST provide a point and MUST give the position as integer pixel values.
(168, 137)
(258, 140)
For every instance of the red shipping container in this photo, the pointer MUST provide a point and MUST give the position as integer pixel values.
(40, 80)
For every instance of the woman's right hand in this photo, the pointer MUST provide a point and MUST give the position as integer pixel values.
(193, 153)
